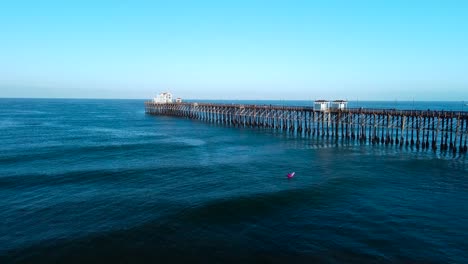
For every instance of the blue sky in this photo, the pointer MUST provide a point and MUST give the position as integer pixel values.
(370, 50)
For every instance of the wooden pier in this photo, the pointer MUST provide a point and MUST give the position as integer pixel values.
(446, 131)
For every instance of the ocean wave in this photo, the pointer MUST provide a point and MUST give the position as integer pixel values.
(260, 204)
(195, 142)
(28, 112)
(9, 124)
(91, 150)
(122, 133)
(187, 222)
(163, 173)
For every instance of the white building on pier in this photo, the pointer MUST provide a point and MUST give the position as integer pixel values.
(321, 105)
(339, 104)
(163, 98)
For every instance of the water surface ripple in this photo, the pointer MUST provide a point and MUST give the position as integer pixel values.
(99, 181)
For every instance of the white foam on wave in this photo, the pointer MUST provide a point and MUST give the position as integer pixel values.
(9, 124)
(34, 112)
(122, 133)
(195, 142)
(54, 124)
(103, 116)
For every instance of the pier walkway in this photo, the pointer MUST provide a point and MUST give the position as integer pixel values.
(443, 130)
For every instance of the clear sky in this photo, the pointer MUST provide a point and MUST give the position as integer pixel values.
(242, 49)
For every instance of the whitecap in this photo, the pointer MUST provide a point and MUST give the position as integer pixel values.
(186, 141)
(122, 133)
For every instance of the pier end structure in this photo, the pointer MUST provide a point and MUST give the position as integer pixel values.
(163, 98)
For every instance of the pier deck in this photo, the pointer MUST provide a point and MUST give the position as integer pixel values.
(426, 129)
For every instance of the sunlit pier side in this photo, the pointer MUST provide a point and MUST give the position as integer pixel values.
(436, 130)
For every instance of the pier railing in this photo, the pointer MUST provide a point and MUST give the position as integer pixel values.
(444, 130)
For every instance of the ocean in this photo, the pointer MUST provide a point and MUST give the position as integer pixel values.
(99, 181)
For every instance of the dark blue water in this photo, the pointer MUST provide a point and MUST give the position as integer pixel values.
(99, 181)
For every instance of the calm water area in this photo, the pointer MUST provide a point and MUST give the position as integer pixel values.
(99, 181)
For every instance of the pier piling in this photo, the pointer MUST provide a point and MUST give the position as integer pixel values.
(414, 128)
